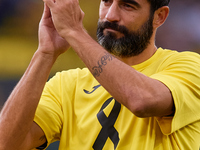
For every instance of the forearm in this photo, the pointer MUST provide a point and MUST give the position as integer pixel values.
(129, 87)
(105, 68)
(19, 110)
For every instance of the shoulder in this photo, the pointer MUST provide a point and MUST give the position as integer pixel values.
(70, 78)
(72, 74)
(172, 57)
(180, 55)
(75, 72)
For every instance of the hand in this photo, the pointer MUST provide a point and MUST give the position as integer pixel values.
(50, 42)
(67, 16)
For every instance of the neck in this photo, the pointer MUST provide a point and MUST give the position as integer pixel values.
(145, 55)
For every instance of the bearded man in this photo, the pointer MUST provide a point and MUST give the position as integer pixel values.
(131, 96)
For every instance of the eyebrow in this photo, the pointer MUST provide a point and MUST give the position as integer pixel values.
(132, 2)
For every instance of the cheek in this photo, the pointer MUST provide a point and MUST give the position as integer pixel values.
(102, 13)
(133, 24)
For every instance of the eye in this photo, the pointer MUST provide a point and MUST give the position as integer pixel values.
(128, 6)
(107, 2)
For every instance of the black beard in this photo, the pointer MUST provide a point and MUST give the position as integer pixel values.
(131, 44)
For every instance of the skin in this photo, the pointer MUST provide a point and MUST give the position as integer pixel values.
(143, 96)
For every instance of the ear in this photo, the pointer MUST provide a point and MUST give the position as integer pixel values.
(160, 16)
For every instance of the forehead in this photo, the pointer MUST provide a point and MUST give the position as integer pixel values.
(139, 3)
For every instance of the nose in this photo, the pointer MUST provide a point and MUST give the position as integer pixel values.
(113, 14)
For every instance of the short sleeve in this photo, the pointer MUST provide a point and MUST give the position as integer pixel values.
(49, 113)
(182, 77)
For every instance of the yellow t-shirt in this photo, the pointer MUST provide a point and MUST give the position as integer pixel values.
(78, 111)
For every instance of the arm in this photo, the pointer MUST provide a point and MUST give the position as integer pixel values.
(142, 95)
(17, 129)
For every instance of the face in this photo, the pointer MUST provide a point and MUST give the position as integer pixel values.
(126, 33)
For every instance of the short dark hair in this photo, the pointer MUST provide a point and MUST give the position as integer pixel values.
(156, 4)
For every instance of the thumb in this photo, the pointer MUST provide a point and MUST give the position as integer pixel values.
(46, 12)
(49, 3)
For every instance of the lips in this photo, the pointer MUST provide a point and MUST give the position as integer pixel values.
(110, 29)
(117, 33)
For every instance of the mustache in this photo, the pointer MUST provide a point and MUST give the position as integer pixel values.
(114, 26)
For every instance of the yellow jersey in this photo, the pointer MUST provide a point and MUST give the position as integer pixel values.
(76, 110)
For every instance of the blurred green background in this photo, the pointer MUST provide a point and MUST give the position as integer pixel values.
(19, 21)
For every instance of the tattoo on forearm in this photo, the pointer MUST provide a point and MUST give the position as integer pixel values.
(97, 70)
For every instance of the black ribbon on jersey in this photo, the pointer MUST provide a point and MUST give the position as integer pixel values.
(107, 123)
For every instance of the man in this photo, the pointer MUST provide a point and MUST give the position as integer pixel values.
(131, 95)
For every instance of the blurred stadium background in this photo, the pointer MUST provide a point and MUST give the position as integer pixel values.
(19, 21)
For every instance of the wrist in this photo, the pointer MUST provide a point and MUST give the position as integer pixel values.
(46, 55)
(77, 38)
(74, 34)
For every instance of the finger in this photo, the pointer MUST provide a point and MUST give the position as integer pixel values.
(50, 3)
(46, 12)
